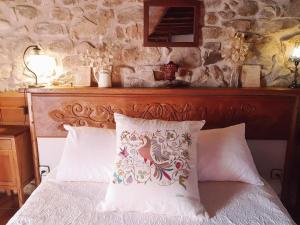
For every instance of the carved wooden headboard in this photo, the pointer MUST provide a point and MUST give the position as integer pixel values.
(268, 113)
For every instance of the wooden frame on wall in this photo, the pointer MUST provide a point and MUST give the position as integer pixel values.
(172, 3)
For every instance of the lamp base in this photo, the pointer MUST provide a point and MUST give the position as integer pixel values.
(36, 86)
(294, 86)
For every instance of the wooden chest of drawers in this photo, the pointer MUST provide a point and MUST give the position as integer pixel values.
(16, 164)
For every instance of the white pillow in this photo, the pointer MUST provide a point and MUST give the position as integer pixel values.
(223, 155)
(88, 155)
(155, 168)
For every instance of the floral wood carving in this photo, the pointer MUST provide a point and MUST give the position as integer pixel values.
(227, 113)
(82, 114)
(163, 111)
(87, 114)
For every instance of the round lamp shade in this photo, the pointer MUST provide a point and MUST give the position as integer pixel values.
(42, 65)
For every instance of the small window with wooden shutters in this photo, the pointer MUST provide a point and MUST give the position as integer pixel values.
(172, 23)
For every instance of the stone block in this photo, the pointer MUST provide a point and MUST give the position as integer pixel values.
(90, 7)
(213, 46)
(120, 32)
(5, 70)
(134, 31)
(86, 48)
(227, 15)
(266, 26)
(4, 56)
(112, 3)
(73, 61)
(61, 46)
(130, 14)
(212, 58)
(294, 8)
(186, 57)
(233, 3)
(213, 3)
(269, 12)
(211, 18)
(48, 28)
(240, 24)
(248, 8)
(37, 2)
(105, 17)
(4, 25)
(84, 29)
(62, 14)
(138, 56)
(77, 12)
(68, 2)
(26, 11)
(211, 32)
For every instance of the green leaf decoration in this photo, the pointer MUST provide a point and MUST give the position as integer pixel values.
(182, 179)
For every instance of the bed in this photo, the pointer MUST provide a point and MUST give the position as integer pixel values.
(74, 203)
(56, 202)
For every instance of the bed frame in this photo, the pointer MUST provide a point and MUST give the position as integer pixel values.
(269, 114)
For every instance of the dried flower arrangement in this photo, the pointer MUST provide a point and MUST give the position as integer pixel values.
(102, 58)
(235, 53)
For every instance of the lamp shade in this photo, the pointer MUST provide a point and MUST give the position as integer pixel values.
(296, 52)
(41, 65)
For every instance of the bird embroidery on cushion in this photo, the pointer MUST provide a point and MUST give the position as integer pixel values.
(161, 169)
(144, 151)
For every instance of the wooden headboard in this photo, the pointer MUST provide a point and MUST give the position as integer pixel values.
(268, 113)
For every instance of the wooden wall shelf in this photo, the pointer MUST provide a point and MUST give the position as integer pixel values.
(158, 91)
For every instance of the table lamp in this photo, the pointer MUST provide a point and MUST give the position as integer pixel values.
(295, 57)
(39, 64)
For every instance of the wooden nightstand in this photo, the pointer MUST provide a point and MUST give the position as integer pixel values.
(16, 164)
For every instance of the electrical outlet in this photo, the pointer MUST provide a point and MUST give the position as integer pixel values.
(44, 170)
(276, 174)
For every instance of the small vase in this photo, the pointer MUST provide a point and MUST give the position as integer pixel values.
(103, 78)
(234, 77)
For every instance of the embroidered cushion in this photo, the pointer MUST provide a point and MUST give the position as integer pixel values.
(155, 168)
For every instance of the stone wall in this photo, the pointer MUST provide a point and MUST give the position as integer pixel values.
(79, 33)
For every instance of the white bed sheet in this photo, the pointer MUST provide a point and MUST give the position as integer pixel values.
(228, 203)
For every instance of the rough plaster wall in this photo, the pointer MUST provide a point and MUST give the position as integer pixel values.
(80, 32)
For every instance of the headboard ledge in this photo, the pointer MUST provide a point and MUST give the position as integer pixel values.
(159, 91)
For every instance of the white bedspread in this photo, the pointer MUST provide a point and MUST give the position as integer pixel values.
(228, 203)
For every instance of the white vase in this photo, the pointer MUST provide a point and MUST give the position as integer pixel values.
(103, 77)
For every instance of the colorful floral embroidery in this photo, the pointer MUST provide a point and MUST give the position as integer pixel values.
(161, 157)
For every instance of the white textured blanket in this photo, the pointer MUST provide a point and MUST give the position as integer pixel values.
(228, 203)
